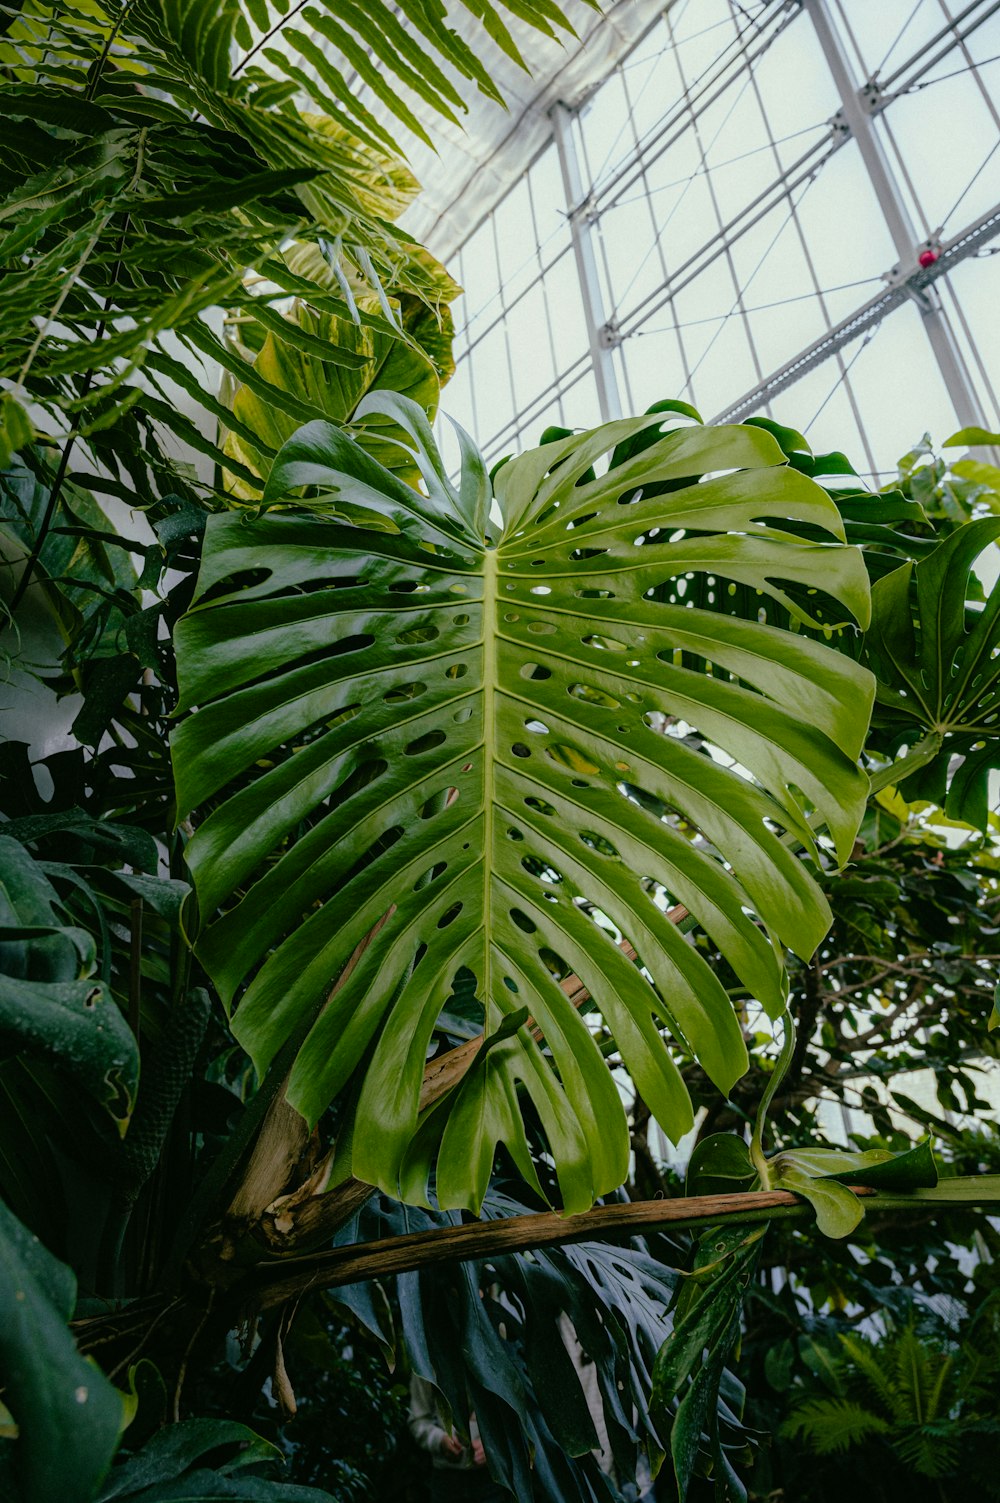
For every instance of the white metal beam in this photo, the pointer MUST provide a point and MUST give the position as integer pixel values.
(582, 235)
(918, 285)
(858, 106)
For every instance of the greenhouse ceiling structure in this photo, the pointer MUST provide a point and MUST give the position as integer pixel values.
(780, 207)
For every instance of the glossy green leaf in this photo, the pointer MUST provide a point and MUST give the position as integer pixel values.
(118, 842)
(51, 1003)
(16, 429)
(719, 1165)
(69, 1416)
(821, 1176)
(178, 1449)
(466, 731)
(936, 656)
(691, 1362)
(838, 1212)
(914, 1170)
(296, 358)
(970, 437)
(790, 440)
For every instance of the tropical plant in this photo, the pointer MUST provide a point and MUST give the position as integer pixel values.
(546, 775)
(930, 1403)
(462, 720)
(595, 990)
(155, 155)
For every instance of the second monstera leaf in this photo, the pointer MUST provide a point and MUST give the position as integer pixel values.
(470, 720)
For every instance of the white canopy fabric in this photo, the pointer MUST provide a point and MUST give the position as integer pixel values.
(473, 167)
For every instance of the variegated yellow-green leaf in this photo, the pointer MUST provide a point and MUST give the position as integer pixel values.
(470, 716)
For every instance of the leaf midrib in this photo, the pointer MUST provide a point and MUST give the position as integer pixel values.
(490, 638)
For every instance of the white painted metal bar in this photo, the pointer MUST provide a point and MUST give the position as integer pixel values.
(582, 232)
(917, 285)
(858, 105)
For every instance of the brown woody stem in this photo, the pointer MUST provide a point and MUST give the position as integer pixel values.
(274, 1283)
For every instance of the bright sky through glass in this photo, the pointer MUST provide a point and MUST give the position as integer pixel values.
(732, 225)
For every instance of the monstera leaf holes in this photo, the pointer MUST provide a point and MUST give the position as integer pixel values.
(396, 709)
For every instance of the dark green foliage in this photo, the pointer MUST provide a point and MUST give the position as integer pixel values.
(916, 1409)
(158, 175)
(491, 1338)
(145, 170)
(691, 1364)
(203, 1459)
(169, 1070)
(54, 1003)
(69, 1416)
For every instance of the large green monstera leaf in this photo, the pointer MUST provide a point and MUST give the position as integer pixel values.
(469, 720)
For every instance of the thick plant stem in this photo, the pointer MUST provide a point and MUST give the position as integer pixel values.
(918, 756)
(757, 1155)
(208, 1200)
(272, 1284)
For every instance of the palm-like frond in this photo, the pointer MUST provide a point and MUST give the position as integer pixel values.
(932, 1450)
(395, 50)
(914, 1385)
(880, 1379)
(466, 730)
(146, 168)
(827, 1426)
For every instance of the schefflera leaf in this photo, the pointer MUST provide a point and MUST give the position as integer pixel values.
(396, 711)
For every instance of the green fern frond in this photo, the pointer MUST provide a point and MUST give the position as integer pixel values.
(870, 1367)
(828, 1426)
(930, 1450)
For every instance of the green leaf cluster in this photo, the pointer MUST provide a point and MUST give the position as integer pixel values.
(69, 1417)
(465, 720)
(156, 153)
(931, 1403)
(53, 1005)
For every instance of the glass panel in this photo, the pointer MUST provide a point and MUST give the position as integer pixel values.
(655, 368)
(975, 285)
(945, 138)
(490, 376)
(529, 344)
(703, 32)
(607, 133)
(630, 246)
(480, 279)
(457, 398)
(645, 74)
(722, 367)
(580, 404)
(891, 31)
(819, 406)
(843, 224)
(794, 82)
(898, 388)
(516, 247)
(565, 309)
(548, 202)
(744, 296)
(689, 221)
